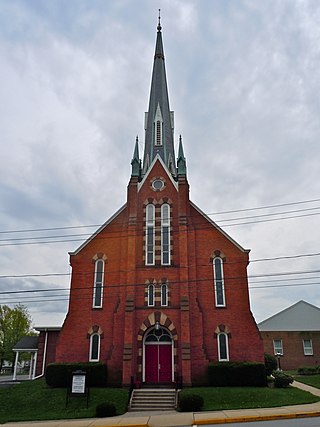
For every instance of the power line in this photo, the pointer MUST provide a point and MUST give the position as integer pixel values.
(117, 232)
(50, 229)
(140, 292)
(209, 214)
(172, 282)
(279, 258)
(268, 215)
(269, 220)
(265, 207)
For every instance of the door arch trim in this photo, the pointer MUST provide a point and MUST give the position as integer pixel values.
(164, 333)
(148, 323)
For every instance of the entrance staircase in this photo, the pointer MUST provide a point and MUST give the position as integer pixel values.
(153, 399)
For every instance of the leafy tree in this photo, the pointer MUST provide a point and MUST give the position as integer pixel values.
(15, 323)
(270, 362)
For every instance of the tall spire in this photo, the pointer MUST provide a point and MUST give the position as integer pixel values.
(159, 120)
(136, 162)
(181, 162)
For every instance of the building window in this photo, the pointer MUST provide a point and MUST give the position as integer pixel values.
(98, 284)
(223, 350)
(277, 347)
(94, 348)
(151, 295)
(307, 347)
(165, 234)
(164, 295)
(218, 282)
(150, 222)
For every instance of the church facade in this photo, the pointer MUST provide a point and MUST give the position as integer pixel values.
(159, 291)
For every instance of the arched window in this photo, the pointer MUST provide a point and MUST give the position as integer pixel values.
(151, 295)
(150, 219)
(94, 348)
(158, 126)
(158, 334)
(165, 234)
(98, 284)
(223, 350)
(218, 282)
(164, 295)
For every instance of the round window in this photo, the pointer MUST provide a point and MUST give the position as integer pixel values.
(158, 184)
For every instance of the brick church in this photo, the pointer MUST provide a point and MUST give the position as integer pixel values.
(159, 291)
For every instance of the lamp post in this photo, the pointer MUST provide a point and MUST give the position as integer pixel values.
(278, 359)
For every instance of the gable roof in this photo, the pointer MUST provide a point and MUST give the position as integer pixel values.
(157, 158)
(27, 344)
(103, 226)
(300, 316)
(218, 228)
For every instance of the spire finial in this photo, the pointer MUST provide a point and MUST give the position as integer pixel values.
(159, 25)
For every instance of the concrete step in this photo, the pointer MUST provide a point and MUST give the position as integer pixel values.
(153, 399)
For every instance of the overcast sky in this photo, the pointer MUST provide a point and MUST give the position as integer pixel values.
(244, 82)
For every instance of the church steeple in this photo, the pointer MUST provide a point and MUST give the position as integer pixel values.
(136, 162)
(159, 120)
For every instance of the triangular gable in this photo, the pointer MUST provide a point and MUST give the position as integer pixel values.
(27, 343)
(103, 226)
(218, 228)
(300, 316)
(157, 157)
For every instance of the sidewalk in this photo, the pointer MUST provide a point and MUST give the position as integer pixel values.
(173, 418)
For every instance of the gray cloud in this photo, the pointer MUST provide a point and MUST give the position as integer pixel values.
(243, 80)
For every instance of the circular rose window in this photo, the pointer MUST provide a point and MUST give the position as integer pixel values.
(158, 184)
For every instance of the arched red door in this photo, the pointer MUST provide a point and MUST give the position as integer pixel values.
(158, 356)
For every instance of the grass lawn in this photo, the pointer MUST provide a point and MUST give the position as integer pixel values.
(34, 400)
(217, 398)
(313, 380)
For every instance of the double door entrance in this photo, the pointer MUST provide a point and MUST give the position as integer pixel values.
(158, 357)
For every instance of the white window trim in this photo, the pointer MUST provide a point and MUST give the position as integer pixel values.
(306, 349)
(165, 223)
(150, 224)
(151, 288)
(90, 354)
(215, 283)
(227, 347)
(279, 349)
(94, 305)
(164, 285)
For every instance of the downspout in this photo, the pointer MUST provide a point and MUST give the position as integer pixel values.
(44, 356)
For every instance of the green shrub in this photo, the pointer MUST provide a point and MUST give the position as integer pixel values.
(105, 409)
(281, 379)
(60, 374)
(270, 363)
(308, 370)
(236, 374)
(190, 402)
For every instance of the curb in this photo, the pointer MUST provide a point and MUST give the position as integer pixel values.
(126, 425)
(256, 418)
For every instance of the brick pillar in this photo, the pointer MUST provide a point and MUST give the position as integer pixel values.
(184, 334)
(130, 335)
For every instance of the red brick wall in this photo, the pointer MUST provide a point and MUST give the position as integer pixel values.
(292, 343)
(192, 310)
(49, 353)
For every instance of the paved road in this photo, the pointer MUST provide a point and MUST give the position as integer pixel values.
(296, 422)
